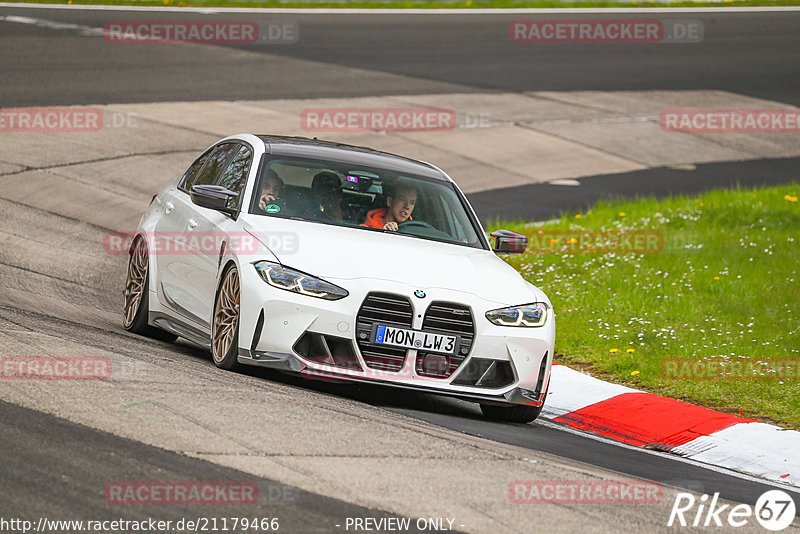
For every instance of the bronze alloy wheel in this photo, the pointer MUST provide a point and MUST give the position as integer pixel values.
(226, 320)
(135, 281)
(136, 308)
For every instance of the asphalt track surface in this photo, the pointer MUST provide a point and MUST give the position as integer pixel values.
(749, 53)
(537, 202)
(56, 469)
(754, 54)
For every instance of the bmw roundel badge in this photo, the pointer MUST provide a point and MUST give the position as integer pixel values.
(419, 293)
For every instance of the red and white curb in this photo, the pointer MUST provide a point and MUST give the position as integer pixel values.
(651, 421)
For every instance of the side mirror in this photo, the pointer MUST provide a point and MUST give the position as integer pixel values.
(508, 242)
(213, 197)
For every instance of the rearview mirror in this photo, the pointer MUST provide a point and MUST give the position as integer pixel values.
(508, 242)
(357, 182)
(213, 197)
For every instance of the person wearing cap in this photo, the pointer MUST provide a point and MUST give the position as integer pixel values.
(399, 206)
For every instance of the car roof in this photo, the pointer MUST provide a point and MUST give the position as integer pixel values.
(328, 150)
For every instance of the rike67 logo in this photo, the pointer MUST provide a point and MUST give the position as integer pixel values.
(774, 510)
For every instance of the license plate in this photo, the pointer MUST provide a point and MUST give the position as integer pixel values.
(415, 339)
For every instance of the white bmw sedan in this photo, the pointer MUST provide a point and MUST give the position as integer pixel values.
(337, 261)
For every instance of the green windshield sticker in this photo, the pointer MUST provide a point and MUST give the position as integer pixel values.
(273, 208)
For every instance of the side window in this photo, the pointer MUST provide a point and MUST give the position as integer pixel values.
(191, 173)
(235, 176)
(215, 163)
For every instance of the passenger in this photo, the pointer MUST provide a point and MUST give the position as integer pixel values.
(271, 193)
(326, 190)
(399, 205)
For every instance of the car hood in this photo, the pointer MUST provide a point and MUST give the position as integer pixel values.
(338, 253)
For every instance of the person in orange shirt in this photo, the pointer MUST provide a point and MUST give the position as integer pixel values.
(399, 205)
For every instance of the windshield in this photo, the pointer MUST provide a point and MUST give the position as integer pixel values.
(368, 199)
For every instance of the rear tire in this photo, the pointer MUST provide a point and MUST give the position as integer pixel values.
(520, 413)
(225, 323)
(137, 295)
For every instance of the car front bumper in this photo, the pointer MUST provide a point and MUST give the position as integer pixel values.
(273, 320)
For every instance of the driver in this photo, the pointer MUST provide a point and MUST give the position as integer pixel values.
(399, 205)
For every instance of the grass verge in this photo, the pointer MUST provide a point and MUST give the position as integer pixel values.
(707, 311)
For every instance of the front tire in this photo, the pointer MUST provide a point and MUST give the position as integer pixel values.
(137, 295)
(225, 326)
(520, 413)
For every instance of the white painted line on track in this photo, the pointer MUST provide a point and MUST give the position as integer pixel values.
(53, 25)
(569, 182)
(440, 11)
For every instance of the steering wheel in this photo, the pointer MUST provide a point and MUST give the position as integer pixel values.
(421, 229)
(412, 225)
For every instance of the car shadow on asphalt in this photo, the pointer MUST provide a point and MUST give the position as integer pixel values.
(397, 399)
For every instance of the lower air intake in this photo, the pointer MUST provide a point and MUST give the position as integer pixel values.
(484, 373)
(329, 350)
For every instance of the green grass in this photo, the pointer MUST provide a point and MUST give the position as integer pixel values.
(422, 4)
(724, 288)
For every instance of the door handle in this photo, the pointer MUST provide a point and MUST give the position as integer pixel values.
(192, 224)
(168, 207)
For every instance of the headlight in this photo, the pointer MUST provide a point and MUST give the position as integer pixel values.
(525, 315)
(297, 282)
